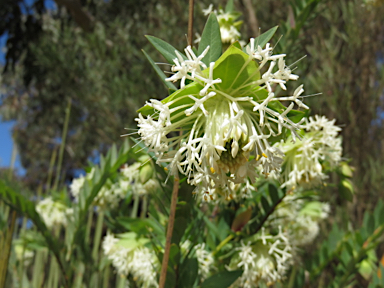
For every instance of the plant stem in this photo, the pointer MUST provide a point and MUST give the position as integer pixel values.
(89, 226)
(171, 222)
(222, 243)
(144, 207)
(62, 146)
(292, 277)
(190, 23)
(50, 171)
(135, 206)
(4, 258)
(99, 230)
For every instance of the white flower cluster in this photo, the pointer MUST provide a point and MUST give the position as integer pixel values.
(53, 213)
(23, 254)
(266, 260)
(217, 130)
(205, 260)
(131, 179)
(111, 193)
(235, 192)
(300, 219)
(139, 262)
(78, 183)
(304, 159)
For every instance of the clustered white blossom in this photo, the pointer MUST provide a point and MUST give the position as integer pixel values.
(139, 262)
(112, 192)
(300, 219)
(109, 195)
(304, 159)
(235, 192)
(131, 179)
(23, 254)
(53, 213)
(210, 134)
(205, 260)
(265, 260)
(78, 183)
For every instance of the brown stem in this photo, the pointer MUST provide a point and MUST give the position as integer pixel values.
(190, 23)
(171, 222)
(253, 23)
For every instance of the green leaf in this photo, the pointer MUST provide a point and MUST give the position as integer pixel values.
(379, 212)
(370, 224)
(236, 69)
(222, 279)
(211, 37)
(265, 37)
(140, 226)
(346, 170)
(161, 74)
(229, 6)
(237, 45)
(174, 256)
(179, 229)
(27, 208)
(274, 193)
(346, 189)
(265, 204)
(193, 88)
(165, 49)
(313, 209)
(188, 273)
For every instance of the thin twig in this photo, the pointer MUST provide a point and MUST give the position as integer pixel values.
(253, 23)
(175, 191)
(190, 23)
(171, 222)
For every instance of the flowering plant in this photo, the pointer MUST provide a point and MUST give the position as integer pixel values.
(242, 145)
(222, 122)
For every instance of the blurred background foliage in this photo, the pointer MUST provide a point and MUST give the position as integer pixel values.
(88, 52)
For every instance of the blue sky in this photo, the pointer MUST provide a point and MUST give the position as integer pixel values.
(6, 142)
(5, 127)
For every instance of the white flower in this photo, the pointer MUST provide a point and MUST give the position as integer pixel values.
(131, 180)
(303, 162)
(229, 34)
(78, 183)
(204, 259)
(299, 218)
(222, 125)
(209, 10)
(266, 260)
(23, 254)
(109, 244)
(109, 195)
(142, 267)
(53, 213)
(304, 230)
(137, 261)
(76, 186)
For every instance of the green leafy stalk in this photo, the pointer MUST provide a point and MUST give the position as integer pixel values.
(27, 207)
(6, 246)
